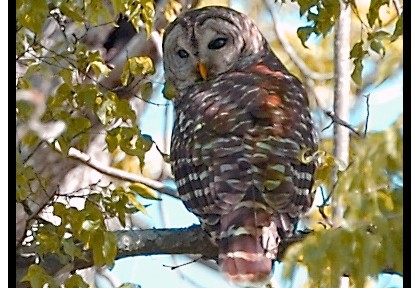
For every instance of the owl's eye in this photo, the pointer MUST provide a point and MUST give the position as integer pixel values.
(182, 53)
(217, 43)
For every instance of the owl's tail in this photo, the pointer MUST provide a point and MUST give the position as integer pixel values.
(248, 246)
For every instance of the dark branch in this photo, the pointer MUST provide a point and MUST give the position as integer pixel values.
(367, 97)
(341, 122)
(190, 240)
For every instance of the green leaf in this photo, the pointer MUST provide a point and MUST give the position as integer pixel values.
(49, 239)
(91, 225)
(110, 108)
(357, 50)
(97, 244)
(75, 281)
(124, 110)
(67, 76)
(373, 11)
(59, 209)
(86, 95)
(378, 35)
(304, 33)
(63, 144)
(119, 204)
(398, 30)
(147, 142)
(32, 15)
(109, 247)
(76, 126)
(118, 6)
(357, 72)
(169, 91)
(64, 93)
(306, 5)
(71, 249)
(378, 47)
(37, 277)
(23, 83)
(71, 10)
(24, 110)
(146, 91)
(97, 12)
(112, 141)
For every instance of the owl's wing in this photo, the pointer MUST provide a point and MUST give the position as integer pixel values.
(237, 149)
(252, 132)
(241, 140)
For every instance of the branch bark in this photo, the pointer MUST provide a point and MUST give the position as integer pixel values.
(121, 174)
(190, 240)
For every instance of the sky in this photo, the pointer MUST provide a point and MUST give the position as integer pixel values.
(386, 105)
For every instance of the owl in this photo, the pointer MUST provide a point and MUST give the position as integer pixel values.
(241, 135)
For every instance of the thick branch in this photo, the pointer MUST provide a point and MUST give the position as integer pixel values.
(342, 93)
(191, 240)
(342, 82)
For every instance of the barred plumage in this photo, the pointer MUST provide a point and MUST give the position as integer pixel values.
(239, 132)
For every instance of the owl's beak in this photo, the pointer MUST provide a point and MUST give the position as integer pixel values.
(202, 68)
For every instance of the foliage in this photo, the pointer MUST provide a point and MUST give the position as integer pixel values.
(371, 231)
(370, 238)
(322, 16)
(76, 102)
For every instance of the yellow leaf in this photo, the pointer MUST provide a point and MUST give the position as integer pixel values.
(135, 202)
(143, 191)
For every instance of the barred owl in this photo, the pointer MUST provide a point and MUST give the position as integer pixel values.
(242, 128)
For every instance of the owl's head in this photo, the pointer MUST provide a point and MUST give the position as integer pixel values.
(205, 43)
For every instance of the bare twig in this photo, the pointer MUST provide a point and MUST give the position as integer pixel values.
(339, 121)
(183, 264)
(325, 217)
(120, 174)
(367, 96)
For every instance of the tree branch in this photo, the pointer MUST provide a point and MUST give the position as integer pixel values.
(82, 157)
(339, 121)
(190, 240)
(342, 92)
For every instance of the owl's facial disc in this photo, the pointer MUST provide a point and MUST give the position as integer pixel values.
(203, 44)
(218, 45)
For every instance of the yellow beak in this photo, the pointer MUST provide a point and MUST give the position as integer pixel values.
(202, 68)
